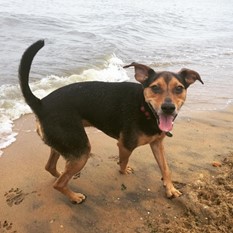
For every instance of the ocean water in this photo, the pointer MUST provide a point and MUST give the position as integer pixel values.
(93, 39)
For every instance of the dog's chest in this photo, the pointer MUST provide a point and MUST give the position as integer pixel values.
(144, 139)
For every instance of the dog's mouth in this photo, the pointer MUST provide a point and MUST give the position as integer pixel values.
(165, 122)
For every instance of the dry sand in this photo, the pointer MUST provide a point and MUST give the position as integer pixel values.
(124, 204)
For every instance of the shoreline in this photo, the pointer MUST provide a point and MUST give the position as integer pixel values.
(29, 202)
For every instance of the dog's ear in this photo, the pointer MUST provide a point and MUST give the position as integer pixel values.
(142, 72)
(189, 76)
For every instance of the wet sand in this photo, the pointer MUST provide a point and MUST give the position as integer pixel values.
(115, 203)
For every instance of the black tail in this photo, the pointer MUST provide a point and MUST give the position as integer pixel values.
(24, 69)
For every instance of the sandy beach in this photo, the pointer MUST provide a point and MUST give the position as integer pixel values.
(117, 203)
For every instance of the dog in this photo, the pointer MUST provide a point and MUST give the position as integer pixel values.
(134, 114)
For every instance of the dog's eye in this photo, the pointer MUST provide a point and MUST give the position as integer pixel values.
(179, 89)
(156, 89)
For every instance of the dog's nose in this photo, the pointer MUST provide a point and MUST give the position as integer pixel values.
(168, 107)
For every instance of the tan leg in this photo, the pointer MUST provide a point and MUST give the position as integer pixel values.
(158, 151)
(124, 159)
(51, 165)
(72, 167)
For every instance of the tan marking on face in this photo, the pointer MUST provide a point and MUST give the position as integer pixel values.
(166, 89)
(177, 98)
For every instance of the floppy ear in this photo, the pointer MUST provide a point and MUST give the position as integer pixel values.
(142, 72)
(189, 76)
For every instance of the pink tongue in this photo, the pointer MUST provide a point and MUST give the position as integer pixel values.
(166, 122)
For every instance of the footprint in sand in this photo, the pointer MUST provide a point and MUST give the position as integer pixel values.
(14, 196)
(77, 175)
(6, 227)
(114, 158)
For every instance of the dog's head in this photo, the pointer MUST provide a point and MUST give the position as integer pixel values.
(165, 92)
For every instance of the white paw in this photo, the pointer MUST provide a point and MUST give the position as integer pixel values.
(78, 198)
(128, 170)
(171, 191)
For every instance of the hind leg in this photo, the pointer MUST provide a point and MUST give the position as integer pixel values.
(51, 165)
(124, 155)
(72, 167)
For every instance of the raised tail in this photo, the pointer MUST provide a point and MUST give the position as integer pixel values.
(24, 70)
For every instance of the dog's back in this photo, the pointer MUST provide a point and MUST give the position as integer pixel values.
(102, 104)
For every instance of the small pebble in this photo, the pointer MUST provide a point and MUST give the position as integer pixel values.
(216, 164)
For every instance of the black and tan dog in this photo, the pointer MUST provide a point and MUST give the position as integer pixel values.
(134, 114)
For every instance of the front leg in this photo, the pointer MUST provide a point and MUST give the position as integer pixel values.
(158, 151)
